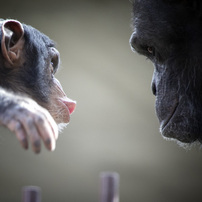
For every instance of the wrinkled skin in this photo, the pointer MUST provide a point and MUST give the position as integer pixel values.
(33, 104)
(169, 33)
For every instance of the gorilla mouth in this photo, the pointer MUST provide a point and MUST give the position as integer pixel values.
(166, 121)
(181, 126)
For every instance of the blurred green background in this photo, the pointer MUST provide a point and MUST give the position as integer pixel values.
(114, 127)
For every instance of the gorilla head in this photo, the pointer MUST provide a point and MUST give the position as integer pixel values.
(169, 33)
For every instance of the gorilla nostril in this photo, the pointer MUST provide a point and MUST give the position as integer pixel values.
(153, 88)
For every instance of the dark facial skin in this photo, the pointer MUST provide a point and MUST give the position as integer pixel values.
(33, 104)
(169, 33)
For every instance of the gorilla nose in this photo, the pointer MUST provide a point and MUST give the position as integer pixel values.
(153, 87)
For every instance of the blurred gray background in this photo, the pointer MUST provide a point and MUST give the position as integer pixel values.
(114, 127)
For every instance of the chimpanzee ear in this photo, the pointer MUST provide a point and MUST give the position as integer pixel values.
(12, 42)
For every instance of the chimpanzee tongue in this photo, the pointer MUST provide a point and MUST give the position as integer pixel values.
(71, 105)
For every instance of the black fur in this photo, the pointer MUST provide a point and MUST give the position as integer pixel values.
(32, 76)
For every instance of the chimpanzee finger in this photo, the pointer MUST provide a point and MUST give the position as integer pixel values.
(32, 133)
(54, 126)
(16, 127)
(45, 131)
(52, 123)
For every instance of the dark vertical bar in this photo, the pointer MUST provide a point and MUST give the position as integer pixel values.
(31, 194)
(109, 187)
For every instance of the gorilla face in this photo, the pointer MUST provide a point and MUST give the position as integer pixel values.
(169, 33)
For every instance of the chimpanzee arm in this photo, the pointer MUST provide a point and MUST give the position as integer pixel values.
(27, 120)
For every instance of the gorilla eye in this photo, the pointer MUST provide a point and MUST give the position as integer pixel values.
(150, 50)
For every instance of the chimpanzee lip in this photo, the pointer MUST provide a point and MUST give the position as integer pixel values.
(166, 121)
(67, 117)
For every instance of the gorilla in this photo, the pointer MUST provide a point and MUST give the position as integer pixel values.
(169, 33)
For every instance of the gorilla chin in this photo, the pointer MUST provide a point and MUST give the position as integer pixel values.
(185, 132)
(181, 122)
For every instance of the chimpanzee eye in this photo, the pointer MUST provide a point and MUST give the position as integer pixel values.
(54, 63)
(52, 68)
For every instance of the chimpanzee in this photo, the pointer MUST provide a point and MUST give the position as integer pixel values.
(32, 101)
(169, 33)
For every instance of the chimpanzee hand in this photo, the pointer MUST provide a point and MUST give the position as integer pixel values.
(29, 121)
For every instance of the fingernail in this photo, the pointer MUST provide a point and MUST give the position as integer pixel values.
(37, 146)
